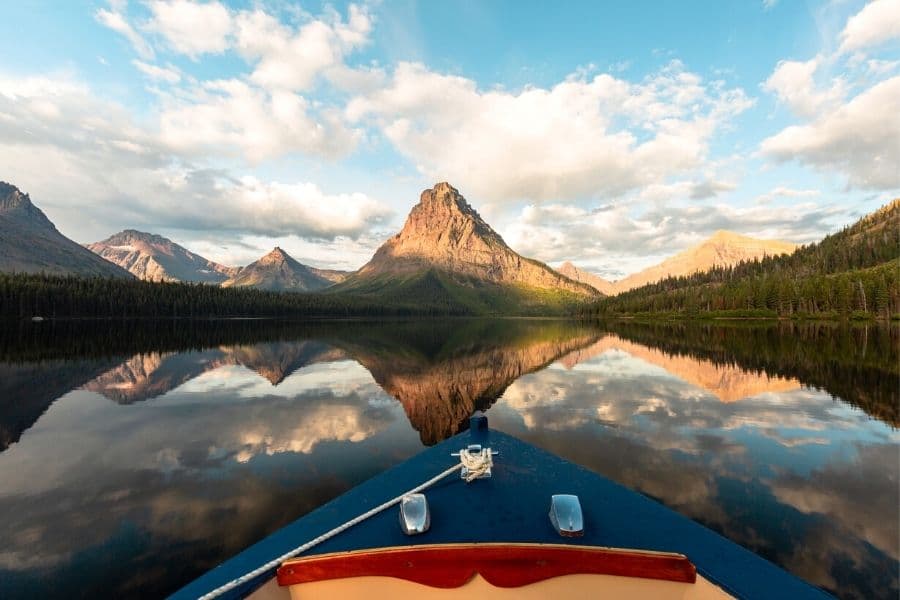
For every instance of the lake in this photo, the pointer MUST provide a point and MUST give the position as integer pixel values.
(134, 456)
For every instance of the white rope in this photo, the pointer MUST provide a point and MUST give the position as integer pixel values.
(476, 464)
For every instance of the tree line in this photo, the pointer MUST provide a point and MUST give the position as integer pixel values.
(854, 272)
(58, 296)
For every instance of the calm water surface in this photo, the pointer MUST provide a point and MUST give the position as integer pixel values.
(134, 456)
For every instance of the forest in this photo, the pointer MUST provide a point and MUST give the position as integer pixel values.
(52, 296)
(852, 273)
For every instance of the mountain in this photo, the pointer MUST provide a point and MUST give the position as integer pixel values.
(332, 275)
(722, 249)
(855, 271)
(277, 271)
(30, 243)
(446, 254)
(155, 258)
(603, 286)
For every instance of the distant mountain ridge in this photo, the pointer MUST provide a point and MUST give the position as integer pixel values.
(852, 272)
(278, 271)
(722, 249)
(155, 258)
(595, 281)
(447, 252)
(30, 242)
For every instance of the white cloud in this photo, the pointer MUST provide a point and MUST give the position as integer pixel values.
(192, 28)
(613, 240)
(709, 188)
(877, 67)
(269, 208)
(785, 192)
(114, 18)
(876, 23)
(292, 59)
(258, 115)
(231, 115)
(282, 58)
(794, 84)
(169, 74)
(579, 137)
(100, 158)
(850, 126)
(860, 138)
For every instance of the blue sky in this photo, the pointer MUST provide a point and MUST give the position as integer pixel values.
(608, 134)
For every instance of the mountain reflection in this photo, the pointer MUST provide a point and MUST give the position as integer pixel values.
(728, 382)
(146, 376)
(122, 456)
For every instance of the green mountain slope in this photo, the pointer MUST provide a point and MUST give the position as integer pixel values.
(449, 259)
(855, 271)
(444, 292)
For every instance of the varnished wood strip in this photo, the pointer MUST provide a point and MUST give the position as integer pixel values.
(502, 565)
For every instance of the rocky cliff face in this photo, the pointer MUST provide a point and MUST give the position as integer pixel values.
(155, 258)
(30, 243)
(277, 271)
(444, 232)
(723, 249)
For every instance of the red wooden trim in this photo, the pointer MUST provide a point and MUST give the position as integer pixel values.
(502, 565)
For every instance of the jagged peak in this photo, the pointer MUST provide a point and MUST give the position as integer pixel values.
(12, 197)
(442, 207)
(445, 194)
(277, 253)
(444, 186)
(15, 202)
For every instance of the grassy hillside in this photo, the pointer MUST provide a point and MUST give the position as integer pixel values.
(451, 292)
(854, 272)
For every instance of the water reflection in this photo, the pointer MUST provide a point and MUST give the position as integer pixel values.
(129, 475)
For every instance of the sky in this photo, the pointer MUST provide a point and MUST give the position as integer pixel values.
(609, 134)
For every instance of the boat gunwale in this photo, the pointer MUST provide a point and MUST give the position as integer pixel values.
(501, 564)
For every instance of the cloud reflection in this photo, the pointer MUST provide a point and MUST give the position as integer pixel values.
(124, 484)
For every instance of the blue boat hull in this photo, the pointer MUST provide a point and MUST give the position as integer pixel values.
(511, 507)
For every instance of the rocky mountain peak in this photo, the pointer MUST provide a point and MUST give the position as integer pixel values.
(444, 232)
(443, 223)
(11, 197)
(276, 255)
(443, 195)
(153, 257)
(14, 202)
(30, 243)
(279, 271)
(129, 236)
